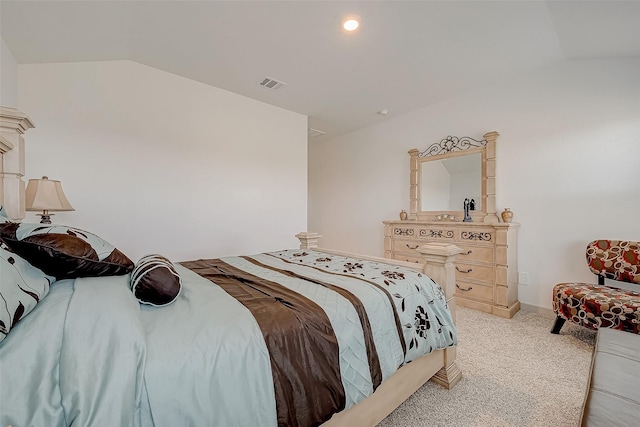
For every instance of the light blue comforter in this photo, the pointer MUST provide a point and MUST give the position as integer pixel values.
(90, 355)
(77, 359)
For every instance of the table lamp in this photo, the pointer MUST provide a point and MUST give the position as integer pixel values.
(46, 195)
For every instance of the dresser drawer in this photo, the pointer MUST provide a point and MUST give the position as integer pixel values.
(408, 258)
(480, 236)
(436, 234)
(404, 231)
(476, 253)
(406, 246)
(474, 291)
(475, 272)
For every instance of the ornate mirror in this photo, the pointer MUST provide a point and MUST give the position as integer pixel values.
(452, 174)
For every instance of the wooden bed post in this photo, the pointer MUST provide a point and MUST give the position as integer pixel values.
(308, 240)
(439, 266)
(13, 124)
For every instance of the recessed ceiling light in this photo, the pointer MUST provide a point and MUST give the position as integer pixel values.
(351, 23)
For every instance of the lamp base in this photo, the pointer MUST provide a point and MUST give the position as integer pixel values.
(45, 218)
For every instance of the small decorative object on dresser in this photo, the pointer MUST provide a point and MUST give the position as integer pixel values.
(403, 215)
(486, 271)
(467, 217)
(507, 215)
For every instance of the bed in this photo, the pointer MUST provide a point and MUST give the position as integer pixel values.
(302, 336)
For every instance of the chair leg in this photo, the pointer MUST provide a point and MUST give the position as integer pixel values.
(557, 325)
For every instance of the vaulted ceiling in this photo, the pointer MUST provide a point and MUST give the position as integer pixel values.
(406, 54)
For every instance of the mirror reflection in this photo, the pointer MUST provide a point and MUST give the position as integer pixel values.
(446, 183)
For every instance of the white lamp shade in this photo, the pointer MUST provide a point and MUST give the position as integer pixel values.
(46, 195)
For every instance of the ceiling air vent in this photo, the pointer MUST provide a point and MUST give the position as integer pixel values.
(314, 132)
(270, 83)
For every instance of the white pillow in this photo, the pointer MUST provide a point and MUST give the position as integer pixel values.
(22, 286)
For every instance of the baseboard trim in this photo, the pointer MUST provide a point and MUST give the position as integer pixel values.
(535, 309)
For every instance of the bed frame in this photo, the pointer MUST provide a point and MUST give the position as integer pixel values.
(439, 366)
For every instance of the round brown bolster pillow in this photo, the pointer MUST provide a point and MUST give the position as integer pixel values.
(155, 281)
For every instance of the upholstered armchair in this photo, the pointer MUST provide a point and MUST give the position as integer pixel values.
(603, 306)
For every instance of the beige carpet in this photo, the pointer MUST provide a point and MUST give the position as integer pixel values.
(515, 374)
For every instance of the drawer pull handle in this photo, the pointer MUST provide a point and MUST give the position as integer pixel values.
(466, 253)
(415, 247)
(413, 261)
(465, 290)
(462, 271)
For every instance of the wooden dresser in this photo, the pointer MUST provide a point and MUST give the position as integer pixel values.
(487, 268)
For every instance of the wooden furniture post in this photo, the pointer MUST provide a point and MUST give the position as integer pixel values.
(490, 176)
(414, 195)
(439, 258)
(308, 240)
(13, 124)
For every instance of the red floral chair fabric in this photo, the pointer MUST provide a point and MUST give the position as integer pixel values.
(601, 306)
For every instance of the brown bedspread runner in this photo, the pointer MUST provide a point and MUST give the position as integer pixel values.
(372, 354)
(303, 347)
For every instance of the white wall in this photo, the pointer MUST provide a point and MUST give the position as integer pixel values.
(153, 162)
(8, 77)
(568, 166)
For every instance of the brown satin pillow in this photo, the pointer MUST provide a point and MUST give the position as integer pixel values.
(64, 252)
(155, 281)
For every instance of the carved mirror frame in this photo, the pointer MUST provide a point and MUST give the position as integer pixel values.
(452, 147)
